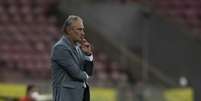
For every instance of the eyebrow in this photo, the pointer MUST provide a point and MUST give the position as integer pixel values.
(80, 28)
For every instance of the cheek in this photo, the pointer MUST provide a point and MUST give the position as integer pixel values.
(77, 34)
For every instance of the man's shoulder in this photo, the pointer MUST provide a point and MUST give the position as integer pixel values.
(60, 44)
(57, 48)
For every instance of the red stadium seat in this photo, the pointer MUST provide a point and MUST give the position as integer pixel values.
(26, 36)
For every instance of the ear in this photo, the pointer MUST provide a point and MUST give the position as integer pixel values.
(68, 29)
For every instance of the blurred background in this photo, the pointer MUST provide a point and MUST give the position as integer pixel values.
(145, 50)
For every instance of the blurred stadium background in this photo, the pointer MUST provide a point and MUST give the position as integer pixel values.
(145, 50)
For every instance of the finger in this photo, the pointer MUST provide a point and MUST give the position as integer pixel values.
(83, 41)
(86, 44)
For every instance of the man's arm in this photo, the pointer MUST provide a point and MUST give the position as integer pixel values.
(87, 51)
(63, 57)
(88, 65)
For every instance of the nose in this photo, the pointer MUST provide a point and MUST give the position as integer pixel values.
(82, 33)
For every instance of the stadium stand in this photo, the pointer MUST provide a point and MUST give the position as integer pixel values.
(186, 12)
(27, 33)
(26, 36)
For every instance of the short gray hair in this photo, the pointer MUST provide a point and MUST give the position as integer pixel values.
(70, 20)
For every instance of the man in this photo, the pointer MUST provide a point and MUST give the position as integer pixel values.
(31, 89)
(72, 63)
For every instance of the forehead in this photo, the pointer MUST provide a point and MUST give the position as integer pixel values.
(78, 23)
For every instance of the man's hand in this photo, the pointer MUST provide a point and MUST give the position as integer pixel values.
(86, 47)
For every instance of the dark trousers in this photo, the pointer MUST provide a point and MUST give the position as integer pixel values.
(86, 94)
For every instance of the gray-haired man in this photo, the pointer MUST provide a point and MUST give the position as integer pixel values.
(72, 63)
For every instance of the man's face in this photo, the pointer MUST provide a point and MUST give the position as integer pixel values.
(76, 31)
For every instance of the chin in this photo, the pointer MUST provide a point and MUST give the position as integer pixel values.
(78, 41)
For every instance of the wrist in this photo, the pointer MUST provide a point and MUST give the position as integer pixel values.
(88, 53)
(89, 58)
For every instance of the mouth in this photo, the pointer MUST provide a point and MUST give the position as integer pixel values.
(82, 38)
